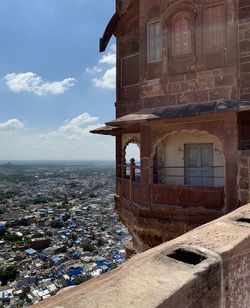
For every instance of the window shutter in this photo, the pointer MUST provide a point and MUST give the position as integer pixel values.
(154, 42)
(214, 27)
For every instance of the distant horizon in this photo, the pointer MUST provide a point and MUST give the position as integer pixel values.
(6, 160)
(56, 161)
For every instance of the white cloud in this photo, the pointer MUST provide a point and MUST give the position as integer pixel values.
(83, 119)
(107, 81)
(113, 48)
(32, 83)
(71, 140)
(75, 128)
(11, 126)
(110, 58)
(93, 70)
(28, 146)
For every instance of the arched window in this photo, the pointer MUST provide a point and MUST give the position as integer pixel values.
(182, 37)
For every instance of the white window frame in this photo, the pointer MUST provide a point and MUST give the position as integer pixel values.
(200, 169)
(150, 49)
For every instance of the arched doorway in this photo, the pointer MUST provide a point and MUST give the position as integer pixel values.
(131, 156)
(192, 158)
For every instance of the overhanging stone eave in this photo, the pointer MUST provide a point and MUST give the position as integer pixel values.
(154, 115)
(128, 124)
(244, 108)
(111, 27)
(105, 130)
(109, 31)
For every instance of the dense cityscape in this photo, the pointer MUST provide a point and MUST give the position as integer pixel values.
(58, 228)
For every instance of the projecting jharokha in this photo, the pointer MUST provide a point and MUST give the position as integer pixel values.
(183, 96)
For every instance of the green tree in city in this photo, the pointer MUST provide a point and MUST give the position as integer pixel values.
(7, 275)
(87, 246)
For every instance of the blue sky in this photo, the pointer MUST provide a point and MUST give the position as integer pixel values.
(54, 84)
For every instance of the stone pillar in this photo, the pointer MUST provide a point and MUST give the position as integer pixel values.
(145, 166)
(229, 138)
(132, 169)
(131, 178)
(119, 163)
(243, 177)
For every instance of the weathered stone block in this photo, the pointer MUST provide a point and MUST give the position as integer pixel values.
(167, 100)
(241, 36)
(245, 96)
(244, 160)
(245, 67)
(245, 90)
(244, 13)
(176, 78)
(224, 80)
(244, 45)
(245, 80)
(243, 3)
(244, 172)
(191, 76)
(219, 93)
(244, 183)
(193, 97)
(244, 194)
(247, 34)
(244, 59)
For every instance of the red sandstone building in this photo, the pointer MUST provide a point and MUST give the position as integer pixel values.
(183, 96)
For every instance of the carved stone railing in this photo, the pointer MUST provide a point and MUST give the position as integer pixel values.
(193, 196)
